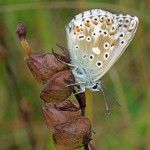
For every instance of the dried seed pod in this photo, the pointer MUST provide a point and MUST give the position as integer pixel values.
(66, 53)
(44, 66)
(57, 88)
(57, 113)
(72, 134)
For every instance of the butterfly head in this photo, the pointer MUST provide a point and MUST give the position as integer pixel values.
(96, 87)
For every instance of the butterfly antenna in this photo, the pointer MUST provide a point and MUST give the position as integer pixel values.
(74, 84)
(114, 99)
(105, 101)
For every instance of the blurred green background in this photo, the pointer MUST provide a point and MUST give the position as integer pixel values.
(128, 126)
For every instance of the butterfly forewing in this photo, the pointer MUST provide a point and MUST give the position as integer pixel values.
(97, 38)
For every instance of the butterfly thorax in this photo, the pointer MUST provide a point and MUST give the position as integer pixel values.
(82, 77)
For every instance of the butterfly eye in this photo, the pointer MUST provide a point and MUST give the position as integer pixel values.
(91, 57)
(95, 86)
(99, 64)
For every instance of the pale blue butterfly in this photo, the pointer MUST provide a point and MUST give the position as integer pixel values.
(96, 40)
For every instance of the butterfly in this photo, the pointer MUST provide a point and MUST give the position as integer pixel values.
(96, 39)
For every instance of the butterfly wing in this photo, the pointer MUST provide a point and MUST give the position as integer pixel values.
(97, 38)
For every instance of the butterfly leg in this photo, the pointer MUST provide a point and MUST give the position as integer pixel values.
(75, 84)
(80, 95)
